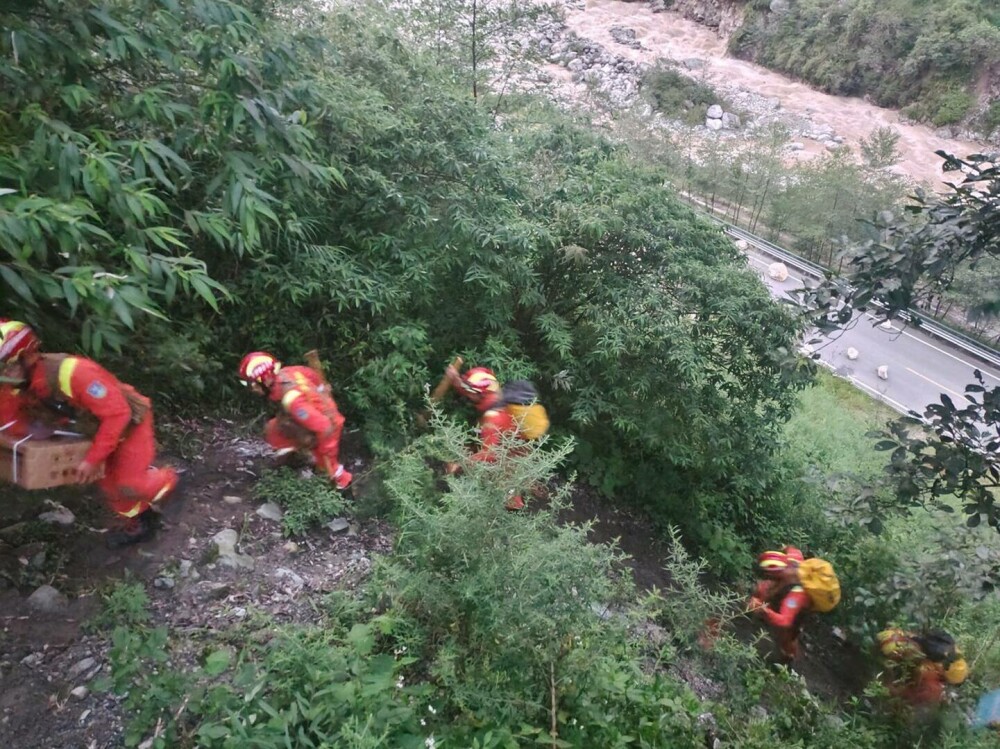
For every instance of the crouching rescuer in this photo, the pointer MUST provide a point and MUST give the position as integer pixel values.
(309, 420)
(791, 588)
(508, 413)
(919, 666)
(123, 441)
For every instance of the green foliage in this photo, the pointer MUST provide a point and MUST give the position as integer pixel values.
(322, 688)
(124, 604)
(484, 43)
(518, 619)
(880, 147)
(145, 150)
(675, 94)
(305, 502)
(139, 671)
(991, 117)
(949, 107)
(951, 451)
(897, 52)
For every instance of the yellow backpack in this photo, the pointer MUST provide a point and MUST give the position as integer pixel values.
(520, 400)
(821, 584)
(532, 421)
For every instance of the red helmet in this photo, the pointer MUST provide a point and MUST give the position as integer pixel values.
(774, 563)
(480, 385)
(16, 338)
(259, 367)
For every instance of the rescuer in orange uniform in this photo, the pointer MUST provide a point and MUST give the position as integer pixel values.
(309, 419)
(480, 386)
(12, 421)
(123, 442)
(780, 600)
(920, 666)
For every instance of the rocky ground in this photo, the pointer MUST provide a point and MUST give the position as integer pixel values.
(219, 561)
(595, 59)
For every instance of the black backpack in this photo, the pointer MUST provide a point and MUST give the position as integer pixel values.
(520, 399)
(518, 393)
(938, 646)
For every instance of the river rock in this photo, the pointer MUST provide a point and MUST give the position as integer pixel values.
(47, 599)
(270, 511)
(58, 515)
(883, 372)
(713, 124)
(82, 667)
(225, 543)
(625, 36)
(852, 353)
(714, 112)
(780, 6)
(338, 525)
(731, 121)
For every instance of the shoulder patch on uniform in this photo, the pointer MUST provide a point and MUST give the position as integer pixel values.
(96, 389)
(301, 413)
(793, 604)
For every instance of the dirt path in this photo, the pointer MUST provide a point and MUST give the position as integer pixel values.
(194, 594)
(669, 35)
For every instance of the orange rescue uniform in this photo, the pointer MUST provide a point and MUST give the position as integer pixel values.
(309, 419)
(124, 439)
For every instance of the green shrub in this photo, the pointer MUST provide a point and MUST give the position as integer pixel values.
(950, 107)
(991, 118)
(674, 93)
(125, 603)
(305, 502)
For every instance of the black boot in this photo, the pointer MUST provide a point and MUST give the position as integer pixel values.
(137, 530)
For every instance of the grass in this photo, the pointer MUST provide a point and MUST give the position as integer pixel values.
(830, 428)
(830, 432)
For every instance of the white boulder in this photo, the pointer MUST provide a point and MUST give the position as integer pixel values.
(778, 271)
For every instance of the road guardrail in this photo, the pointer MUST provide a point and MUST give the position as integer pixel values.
(929, 325)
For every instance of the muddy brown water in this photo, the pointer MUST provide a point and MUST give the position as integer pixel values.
(669, 35)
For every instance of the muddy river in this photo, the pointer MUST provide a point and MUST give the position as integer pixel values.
(669, 35)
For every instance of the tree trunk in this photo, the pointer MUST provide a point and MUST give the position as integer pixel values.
(475, 72)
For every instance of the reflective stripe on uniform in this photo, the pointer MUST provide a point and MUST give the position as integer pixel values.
(66, 369)
(288, 397)
(135, 510)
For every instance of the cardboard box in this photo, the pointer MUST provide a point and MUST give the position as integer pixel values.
(41, 464)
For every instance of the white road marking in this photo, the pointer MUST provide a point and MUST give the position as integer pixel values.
(980, 367)
(870, 316)
(936, 384)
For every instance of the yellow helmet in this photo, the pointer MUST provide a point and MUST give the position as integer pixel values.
(16, 338)
(957, 672)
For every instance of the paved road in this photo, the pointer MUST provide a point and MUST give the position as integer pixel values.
(921, 368)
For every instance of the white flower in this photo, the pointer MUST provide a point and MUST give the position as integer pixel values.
(431, 710)
(429, 742)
